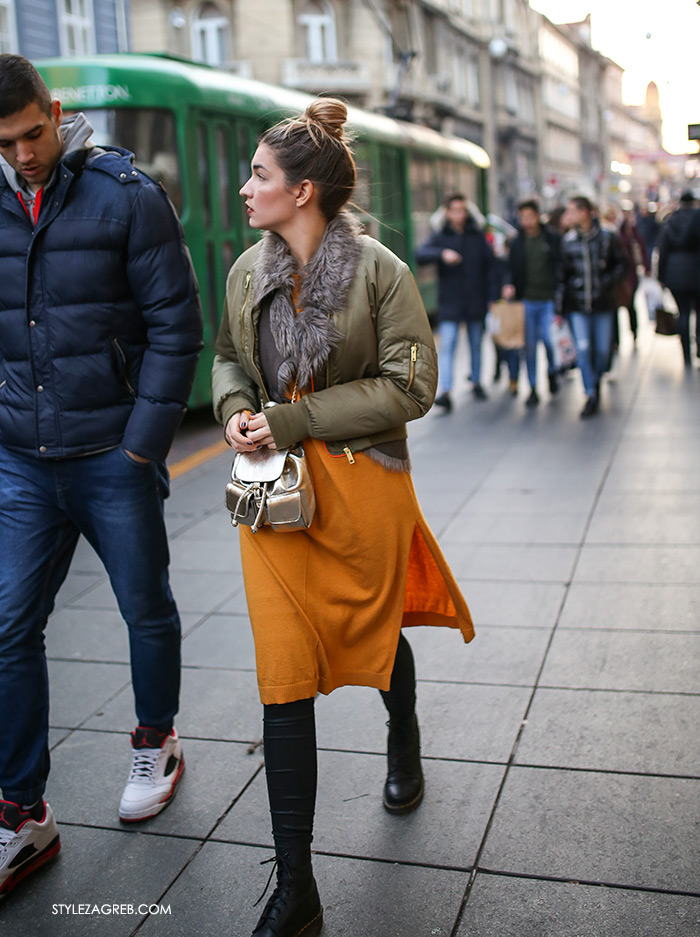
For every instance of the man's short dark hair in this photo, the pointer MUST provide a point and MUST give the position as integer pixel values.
(530, 203)
(455, 197)
(582, 203)
(21, 85)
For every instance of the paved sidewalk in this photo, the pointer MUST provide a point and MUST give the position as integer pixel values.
(562, 751)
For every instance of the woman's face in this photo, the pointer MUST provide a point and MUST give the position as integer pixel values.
(271, 205)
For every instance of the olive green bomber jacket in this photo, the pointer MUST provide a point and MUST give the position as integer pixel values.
(381, 374)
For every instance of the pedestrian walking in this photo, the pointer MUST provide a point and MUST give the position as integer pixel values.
(533, 264)
(679, 268)
(325, 341)
(637, 259)
(100, 329)
(590, 269)
(467, 283)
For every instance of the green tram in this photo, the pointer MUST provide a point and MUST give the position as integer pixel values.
(194, 128)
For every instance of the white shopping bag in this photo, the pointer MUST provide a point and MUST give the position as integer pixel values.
(563, 348)
(653, 294)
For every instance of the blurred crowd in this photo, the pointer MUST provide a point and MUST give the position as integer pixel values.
(561, 280)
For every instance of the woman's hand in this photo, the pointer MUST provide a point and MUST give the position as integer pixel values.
(245, 432)
(259, 431)
(235, 431)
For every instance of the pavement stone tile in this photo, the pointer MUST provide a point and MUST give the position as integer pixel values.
(641, 606)
(673, 564)
(529, 501)
(56, 736)
(501, 906)
(204, 555)
(93, 635)
(497, 655)
(511, 563)
(644, 479)
(359, 897)
(78, 689)
(532, 605)
(95, 867)
(89, 771)
(457, 721)
(624, 660)
(651, 503)
(640, 832)
(235, 605)
(75, 585)
(214, 704)
(643, 528)
(220, 641)
(652, 733)
(516, 528)
(194, 591)
(351, 820)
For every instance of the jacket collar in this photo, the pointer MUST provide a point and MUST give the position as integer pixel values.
(305, 335)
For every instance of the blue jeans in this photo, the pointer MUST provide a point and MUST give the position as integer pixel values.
(593, 340)
(538, 323)
(448, 332)
(44, 505)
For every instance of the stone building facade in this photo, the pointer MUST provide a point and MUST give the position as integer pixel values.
(45, 28)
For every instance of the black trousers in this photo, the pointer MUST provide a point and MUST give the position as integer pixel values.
(688, 301)
(290, 751)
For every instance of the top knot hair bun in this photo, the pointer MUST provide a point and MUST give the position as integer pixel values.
(329, 114)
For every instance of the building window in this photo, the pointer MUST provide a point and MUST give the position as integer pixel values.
(77, 27)
(8, 27)
(210, 35)
(318, 25)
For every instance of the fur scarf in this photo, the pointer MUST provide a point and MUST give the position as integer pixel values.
(304, 340)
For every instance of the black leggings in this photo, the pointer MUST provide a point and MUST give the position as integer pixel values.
(290, 751)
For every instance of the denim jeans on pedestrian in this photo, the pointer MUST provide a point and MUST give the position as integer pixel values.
(538, 324)
(117, 504)
(593, 338)
(448, 333)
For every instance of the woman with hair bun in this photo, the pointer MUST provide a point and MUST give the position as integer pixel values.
(328, 324)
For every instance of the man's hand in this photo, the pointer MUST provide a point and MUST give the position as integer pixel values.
(451, 257)
(508, 292)
(136, 458)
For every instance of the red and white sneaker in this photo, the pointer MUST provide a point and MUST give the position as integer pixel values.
(26, 843)
(156, 769)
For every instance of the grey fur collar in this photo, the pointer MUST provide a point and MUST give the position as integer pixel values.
(305, 340)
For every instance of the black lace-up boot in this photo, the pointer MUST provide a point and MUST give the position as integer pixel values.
(403, 790)
(294, 908)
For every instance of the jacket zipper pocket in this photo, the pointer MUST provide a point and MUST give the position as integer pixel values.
(412, 371)
(120, 351)
(245, 306)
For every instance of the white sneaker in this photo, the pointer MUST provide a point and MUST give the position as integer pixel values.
(156, 769)
(25, 843)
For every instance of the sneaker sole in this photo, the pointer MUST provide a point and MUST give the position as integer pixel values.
(51, 851)
(159, 807)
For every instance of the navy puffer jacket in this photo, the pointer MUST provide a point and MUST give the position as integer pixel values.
(100, 321)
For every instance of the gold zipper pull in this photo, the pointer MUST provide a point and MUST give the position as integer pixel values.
(247, 279)
(348, 455)
(414, 352)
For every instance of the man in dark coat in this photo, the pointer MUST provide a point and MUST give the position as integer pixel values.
(467, 283)
(534, 262)
(100, 330)
(590, 270)
(679, 267)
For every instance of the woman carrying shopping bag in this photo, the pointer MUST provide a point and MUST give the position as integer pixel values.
(328, 325)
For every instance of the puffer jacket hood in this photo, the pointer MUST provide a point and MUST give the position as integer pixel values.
(76, 132)
(681, 232)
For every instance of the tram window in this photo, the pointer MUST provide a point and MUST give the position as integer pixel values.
(150, 135)
(223, 176)
(228, 255)
(213, 310)
(203, 172)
